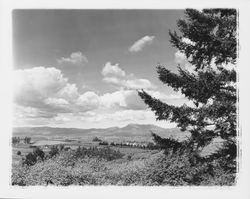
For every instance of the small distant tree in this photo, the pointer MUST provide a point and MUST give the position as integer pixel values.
(18, 153)
(103, 143)
(27, 140)
(53, 151)
(96, 139)
(30, 159)
(15, 140)
(208, 40)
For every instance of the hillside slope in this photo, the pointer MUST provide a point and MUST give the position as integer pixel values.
(131, 131)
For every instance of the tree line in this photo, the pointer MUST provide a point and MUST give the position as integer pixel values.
(17, 140)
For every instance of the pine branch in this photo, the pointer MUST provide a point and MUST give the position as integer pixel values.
(199, 27)
(199, 87)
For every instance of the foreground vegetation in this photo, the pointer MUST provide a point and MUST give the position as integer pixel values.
(106, 166)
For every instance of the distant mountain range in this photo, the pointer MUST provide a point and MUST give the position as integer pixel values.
(131, 131)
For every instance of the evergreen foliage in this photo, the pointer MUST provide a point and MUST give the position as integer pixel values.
(208, 40)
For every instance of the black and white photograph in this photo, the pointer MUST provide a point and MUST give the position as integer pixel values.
(125, 98)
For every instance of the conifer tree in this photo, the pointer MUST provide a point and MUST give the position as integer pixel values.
(208, 40)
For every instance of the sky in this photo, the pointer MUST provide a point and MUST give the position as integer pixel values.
(81, 68)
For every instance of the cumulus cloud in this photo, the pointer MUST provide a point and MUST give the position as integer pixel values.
(110, 69)
(115, 75)
(47, 91)
(114, 80)
(139, 84)
(76, 58)
(141, 43)
(56, 102)
(129, 99)
(44, 96)
(69, 92)
(89, 100)
(34, 85)
(125, 99)
(130, 83)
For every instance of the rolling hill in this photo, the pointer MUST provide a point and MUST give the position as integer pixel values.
(131, 131)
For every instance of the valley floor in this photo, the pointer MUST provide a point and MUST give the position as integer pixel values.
(104, 165)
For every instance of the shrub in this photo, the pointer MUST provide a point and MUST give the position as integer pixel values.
(53, 151)
(96, 139)
(104, 153)
(39, 153)
(31, 158)
(103, 143)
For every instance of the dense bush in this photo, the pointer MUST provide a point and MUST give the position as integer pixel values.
(54, 150)
(39, 153)
(96, 139)
(19, 175)
(32, 158)
(104, 153)
(77, 168)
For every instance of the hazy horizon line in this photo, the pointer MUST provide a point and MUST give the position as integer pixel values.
(41, 126)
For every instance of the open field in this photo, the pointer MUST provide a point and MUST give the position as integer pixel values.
(120, 159)
(134, 152)
(27, 148)
(45, 137)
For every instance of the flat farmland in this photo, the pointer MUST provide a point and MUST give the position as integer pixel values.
(73, 144)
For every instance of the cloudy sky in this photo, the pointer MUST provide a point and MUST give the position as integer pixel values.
(81, 68)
